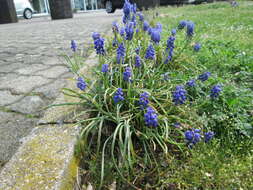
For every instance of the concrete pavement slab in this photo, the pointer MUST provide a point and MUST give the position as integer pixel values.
(30, 66)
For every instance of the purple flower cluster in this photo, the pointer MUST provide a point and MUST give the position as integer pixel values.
(133, 20)
(192, 136)
(191, 83)
(122, 31)
(145, 25)
(159, 27)
(215, 91)
(141, 17)
(173, 32)
(143, 101)
(105, 68)
(149, 30)
(150, 118)
(150, 52)
(99, 45)
(137, 61)
(127, 11)
(121, 51)
(170, 48)
(134, 8)
(190, 28)
(197, 47)
(118, 96)
(81, 83)
(179, 95)
(125, 19)
(115, 42)
(208, 136)
(129, 31)
(127, 7)
(127, 74)
(73, 45)
(182, 24)
(115, 27)
(95, 36)
(170, 43)
(203, 77)
(155, 35)
(137, 50)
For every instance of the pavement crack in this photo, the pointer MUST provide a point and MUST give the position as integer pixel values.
(6, 73)
(57, 123)
(4, 109)
(12, 91)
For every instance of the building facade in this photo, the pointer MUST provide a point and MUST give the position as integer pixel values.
(42, 6)
(85, 5)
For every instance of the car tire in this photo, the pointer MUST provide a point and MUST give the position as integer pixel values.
(109, 7)
(28, 14)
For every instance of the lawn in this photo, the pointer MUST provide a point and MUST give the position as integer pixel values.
(175, 112)
(226, 36)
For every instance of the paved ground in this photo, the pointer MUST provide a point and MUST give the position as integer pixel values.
(31, 73)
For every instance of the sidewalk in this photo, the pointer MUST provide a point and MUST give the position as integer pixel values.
(31, 73)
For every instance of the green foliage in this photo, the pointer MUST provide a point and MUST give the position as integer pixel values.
(226, 53)
(116, 143)
(213, 166)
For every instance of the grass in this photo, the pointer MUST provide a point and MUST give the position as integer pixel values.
(116, 138)
(226, 35)
(211, 167)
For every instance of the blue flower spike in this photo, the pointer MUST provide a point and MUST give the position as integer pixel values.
(105, 68)
(118, 96)
(150, 52)
(144, 100)
(150, 117)
(215, 91)
(81, 84)
(73, 45)
(205, 76)
(179, 95)
(197, 47)
(127, 74)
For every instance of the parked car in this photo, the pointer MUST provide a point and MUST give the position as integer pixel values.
(24, 8)
(112, 5)
(176, 2)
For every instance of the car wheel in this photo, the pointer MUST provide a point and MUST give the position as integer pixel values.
(109, 7)
(28, 14)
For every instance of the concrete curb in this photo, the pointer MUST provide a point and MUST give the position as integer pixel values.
(45, 160)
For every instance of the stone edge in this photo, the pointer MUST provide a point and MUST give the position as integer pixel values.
(13, 175)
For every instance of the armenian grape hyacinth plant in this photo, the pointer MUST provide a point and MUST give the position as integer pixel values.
(142, 101)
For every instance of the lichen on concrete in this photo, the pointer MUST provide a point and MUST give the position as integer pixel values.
(39, 162)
